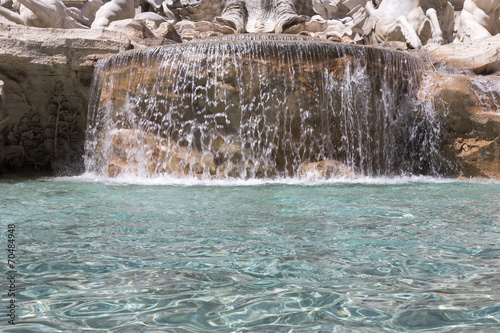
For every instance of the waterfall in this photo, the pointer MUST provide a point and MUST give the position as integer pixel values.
(264, 106)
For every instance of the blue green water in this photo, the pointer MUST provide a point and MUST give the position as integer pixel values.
(369, 256)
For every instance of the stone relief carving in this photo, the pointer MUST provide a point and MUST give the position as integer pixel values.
(40, 137)
(24, 142)
(63, 121)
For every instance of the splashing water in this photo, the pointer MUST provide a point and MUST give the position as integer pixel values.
(487, 91)
(260, 106)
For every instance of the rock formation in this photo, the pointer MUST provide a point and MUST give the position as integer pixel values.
(470, 108)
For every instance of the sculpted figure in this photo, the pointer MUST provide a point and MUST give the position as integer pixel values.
(86, 15)
(10, 15)
(404, 21)
(114, 10)
(42, 14)
(244, 15)
(158, 6)
(336, 9)
(272, 15)
(196, 10)
(234, 15)
(479, 19)
(445, 13)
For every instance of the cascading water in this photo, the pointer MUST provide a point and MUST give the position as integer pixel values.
(260, 106)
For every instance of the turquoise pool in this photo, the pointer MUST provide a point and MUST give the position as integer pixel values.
(397, 255)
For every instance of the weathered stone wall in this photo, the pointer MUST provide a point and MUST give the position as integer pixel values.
(46, 76)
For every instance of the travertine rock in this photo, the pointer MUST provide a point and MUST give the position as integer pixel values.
(326, 170)
(336, 9)
(165, 157)
(167, 30)
(46, 73)
(196, 10)
(415, 22)
(470, 108)
(134, 29)
(189, 30)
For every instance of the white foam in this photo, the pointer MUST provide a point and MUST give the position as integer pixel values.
(191, 181)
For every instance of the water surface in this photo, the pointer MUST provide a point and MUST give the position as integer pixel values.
(363, 256)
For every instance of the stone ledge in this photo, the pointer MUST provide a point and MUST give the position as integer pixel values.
(40, 44)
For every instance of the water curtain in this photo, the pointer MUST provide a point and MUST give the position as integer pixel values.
(262, 106)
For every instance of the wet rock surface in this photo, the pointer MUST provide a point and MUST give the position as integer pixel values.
(469, 107)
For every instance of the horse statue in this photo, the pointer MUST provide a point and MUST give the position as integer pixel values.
(404, 21)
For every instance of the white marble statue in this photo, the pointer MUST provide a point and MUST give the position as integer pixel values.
(478, 19)
(406, 21)
(245, 15)
(272, 15)
(160, 7)
(10, 15)
(153, 17)
(114, 10)
(42, 14)
(336, 9)
(86, 14)
(445, 12)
